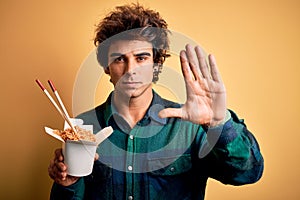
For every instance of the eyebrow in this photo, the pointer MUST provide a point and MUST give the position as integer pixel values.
(143, 54)
(116, 55)
(137, 55)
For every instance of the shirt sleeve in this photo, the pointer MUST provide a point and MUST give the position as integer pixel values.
(74, 191)
(231, 154)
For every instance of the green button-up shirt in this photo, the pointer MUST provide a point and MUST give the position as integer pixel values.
(164, 158)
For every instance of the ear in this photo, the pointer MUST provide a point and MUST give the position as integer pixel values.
(106, 70)
(155, 73)
(155, 68)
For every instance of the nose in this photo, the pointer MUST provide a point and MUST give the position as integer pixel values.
(131, 66)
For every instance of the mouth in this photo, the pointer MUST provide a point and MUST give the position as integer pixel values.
(132, 84)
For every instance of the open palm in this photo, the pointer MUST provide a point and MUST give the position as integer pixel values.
(206, 95)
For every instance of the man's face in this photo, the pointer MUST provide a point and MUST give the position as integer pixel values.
(130, 66)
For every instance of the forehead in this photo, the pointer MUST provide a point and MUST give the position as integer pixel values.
(128, 46)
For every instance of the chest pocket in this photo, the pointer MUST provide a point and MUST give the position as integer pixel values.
(170, 178)
(170, 166)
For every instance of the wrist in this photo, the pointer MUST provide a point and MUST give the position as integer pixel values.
(215, 123)
(68, 181)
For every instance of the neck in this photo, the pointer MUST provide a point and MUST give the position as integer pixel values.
(133, 109)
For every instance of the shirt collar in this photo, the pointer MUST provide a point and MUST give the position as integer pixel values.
(157, 104)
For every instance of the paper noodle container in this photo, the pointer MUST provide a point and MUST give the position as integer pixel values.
(79, 157)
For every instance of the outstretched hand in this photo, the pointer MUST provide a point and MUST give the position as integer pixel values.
(206, 95)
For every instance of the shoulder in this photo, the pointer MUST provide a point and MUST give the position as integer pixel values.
(95, 116)
(92, 112)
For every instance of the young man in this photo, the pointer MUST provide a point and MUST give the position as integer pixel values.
(159, 149)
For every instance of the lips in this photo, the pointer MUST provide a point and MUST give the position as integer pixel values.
(131, 84)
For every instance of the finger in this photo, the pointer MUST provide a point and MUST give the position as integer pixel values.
(188, 76)
(202, 62)
(58, 155)
(214, 69)
(96, 156)
(55, 171)
(193, 62)
(58, 173)
(170, 112)
(60, 166)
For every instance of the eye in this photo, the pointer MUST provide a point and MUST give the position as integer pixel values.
(119, 59)
(142, 58)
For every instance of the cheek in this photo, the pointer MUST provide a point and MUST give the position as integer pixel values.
(147, 73)
(115, 76)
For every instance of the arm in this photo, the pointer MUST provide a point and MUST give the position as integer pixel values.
(74, 191)
(234, 156)
(229, 152)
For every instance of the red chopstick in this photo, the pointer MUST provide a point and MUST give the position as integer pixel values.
(58, 98)
(63, 113)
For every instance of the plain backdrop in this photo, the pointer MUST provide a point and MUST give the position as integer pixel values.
(256, 44)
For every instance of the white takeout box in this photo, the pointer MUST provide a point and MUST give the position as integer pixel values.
(79, 155)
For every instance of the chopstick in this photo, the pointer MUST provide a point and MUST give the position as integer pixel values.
(58, 98)
(63, 113)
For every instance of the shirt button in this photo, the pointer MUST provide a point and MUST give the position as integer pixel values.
(131, 137)
(172, 169)
(130, 198)
(130, 168)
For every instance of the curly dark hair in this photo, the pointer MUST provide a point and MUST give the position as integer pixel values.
(129, 22)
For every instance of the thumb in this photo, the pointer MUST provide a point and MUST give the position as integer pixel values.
(96, 157)
(170, 112)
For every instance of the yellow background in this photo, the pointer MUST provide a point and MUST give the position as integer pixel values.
(257, 46)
